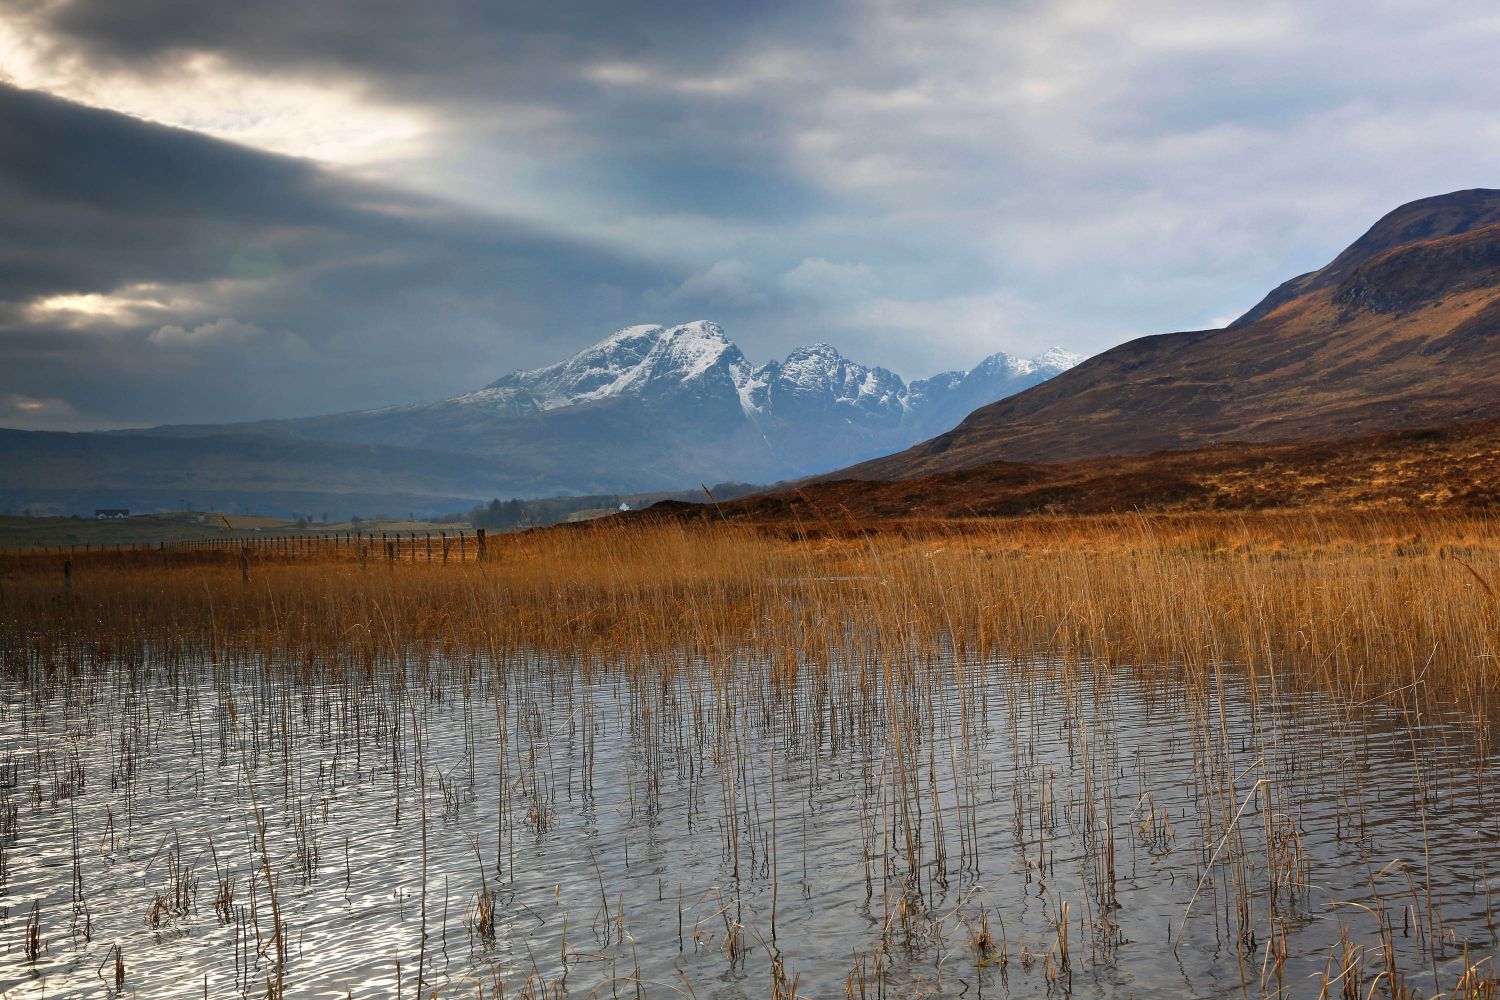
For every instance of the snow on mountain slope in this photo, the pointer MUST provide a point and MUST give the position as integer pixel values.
(938, 403)
(641, 361)
(696, 360)
(1053, 360)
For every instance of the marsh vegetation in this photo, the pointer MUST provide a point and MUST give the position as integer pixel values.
(1200, 755)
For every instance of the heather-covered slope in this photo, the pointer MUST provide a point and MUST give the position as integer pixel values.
(1454, 468)
(1401, 330)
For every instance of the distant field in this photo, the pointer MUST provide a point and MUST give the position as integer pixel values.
(185, 526)
(28, 532)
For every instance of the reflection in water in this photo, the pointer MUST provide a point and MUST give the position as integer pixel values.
(740, 830)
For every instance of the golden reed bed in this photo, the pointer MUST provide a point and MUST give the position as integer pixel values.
(1363, 605)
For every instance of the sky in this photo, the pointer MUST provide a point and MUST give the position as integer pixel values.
(215, 211)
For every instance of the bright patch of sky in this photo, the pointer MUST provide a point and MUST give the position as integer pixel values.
(330, 120)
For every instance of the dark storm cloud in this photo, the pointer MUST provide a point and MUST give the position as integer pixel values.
(445, 49)
(190, 269)
(479, 68)
(93, 199)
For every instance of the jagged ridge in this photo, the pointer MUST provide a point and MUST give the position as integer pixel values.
(697, 360)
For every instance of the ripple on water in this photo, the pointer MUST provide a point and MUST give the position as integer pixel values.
(628, 836)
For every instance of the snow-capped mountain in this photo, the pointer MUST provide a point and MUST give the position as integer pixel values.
(647, 362)
(814, 385)
(656, 407)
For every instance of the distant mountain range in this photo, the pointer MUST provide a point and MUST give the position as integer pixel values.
(648, 408)
(655, 407)
(1401, 330)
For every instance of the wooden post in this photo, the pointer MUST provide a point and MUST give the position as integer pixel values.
(445, 548)
(245, 563)
(67, 574)
(479, 545)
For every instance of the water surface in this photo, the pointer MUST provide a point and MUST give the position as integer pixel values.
(664, 834)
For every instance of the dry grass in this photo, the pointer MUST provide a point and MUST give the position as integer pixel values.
(1357, 604)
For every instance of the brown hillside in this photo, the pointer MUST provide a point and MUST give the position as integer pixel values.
(1402, 330)
(1455, 469)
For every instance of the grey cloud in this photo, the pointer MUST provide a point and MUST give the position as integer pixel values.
(219, 331)
(199, 243)
(439, 49)
(823, 280)
(724, 284)
(33, 413)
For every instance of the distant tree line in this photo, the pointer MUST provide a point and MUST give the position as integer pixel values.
(515, 514)
(498, 515)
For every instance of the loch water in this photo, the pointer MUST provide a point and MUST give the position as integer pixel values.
(534, 827)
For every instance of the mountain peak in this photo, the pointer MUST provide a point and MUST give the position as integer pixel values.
(693, 373)
(1417, 221)
(643, 360)
(656, 407)
(1048, 363)
(817, 350)
(1057, 358)
(1451, 214)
